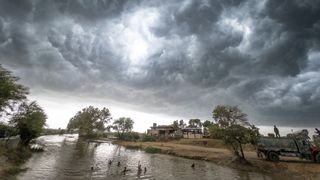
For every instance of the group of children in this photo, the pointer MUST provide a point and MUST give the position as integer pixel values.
(125, 168)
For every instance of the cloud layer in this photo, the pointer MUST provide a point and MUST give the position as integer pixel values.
(177, 58)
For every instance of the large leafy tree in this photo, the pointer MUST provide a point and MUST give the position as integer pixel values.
(11, 92)
(226, 116)
(232, 125)
(175, 124)
(123, 125)
(89, 119)
(207, 123)
(29, 121)
(195, 123)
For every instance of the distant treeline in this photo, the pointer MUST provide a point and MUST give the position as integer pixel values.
(50, 131)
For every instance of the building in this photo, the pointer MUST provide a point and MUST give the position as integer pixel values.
(169, 131)
(192, 133)
(161, 130)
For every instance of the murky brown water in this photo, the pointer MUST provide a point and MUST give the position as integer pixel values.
(68, 158)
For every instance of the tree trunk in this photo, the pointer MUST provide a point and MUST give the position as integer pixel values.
(241, 150)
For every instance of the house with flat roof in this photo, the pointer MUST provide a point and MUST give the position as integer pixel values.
(170, 131)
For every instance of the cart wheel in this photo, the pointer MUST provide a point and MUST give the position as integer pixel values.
(273, 156)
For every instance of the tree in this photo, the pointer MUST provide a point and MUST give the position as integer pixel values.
(234, 128)
(29, 121)
(89, 119)
(215, 131)
(207, 123)
(175, 124)
(123, 125)
(226, 116)
(182, 124)
(10, 91)
(195, 123)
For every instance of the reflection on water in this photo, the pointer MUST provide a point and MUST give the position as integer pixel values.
(69, 158)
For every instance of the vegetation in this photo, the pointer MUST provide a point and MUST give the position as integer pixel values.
(7, 131)
(29, 121)
(89, 120)
(133, 147)
(195, 123)
(234, 129)
(123, 125)
(49, 131)
(128, 136)
(175, 124)
(215, 131)
(207, 123)
(152, 150)
(10, 91)
(147, 138)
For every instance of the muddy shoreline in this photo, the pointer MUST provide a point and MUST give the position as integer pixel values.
(217, 153)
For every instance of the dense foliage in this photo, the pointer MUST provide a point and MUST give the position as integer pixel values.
(233, 128)
(123, 125)
(195, 123)
(10, 91)
(29, 121)
(90, 120)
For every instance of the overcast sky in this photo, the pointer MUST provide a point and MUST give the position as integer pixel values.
(161, 60)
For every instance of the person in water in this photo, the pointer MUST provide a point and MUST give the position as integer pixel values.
(276, 131)
(192, 165)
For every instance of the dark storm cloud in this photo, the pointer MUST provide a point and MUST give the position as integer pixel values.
(260, 55)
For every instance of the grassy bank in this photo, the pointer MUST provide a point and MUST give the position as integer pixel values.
(11, 161)
(214, 150)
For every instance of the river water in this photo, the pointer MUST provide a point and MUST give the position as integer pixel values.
(68, 158)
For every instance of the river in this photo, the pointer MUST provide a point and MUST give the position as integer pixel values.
(68, 158)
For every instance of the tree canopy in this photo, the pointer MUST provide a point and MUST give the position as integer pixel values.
(195, 123)
(175, 124)
(90, 119)
(29, 121)
(233, 127)
(226, 116)
(123, 125)
(10, 91)
(207, 123)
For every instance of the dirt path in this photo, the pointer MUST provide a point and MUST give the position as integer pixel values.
(217, 153)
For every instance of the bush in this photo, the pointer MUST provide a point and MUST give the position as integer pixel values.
(147, 138)
(152, 150)
(19, 155)
(133, 147)
(130, 136)
(6, 131)
(215, 131)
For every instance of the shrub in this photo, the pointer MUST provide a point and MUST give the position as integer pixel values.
(146, 138)
(130, 136)
(133, 147)
(152, 150)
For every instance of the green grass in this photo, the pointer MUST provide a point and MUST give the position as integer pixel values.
(133, 147)
(152, 150)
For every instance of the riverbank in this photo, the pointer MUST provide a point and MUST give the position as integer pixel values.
(11, 161)
(214, 151)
